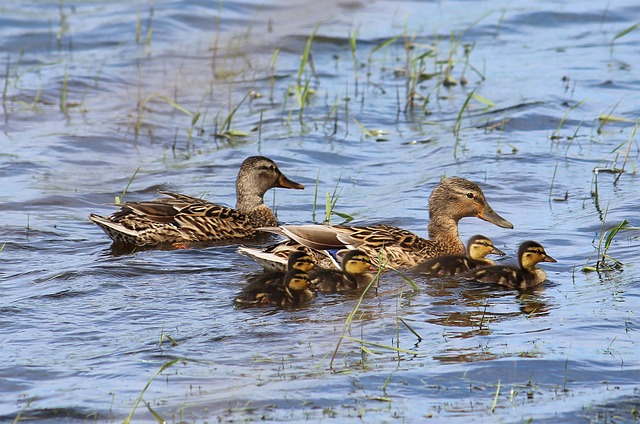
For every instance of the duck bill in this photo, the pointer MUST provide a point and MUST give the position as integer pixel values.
(497, 251)
(285, 182)
(548, 258)
(490, 216)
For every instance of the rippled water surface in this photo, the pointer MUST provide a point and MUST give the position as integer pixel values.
(184, 90)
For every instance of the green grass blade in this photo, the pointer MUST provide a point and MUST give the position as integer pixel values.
(483, 100)
(613, 232)
(120, 199)
(397, 349)
(385, 43)
(626, 31)
(306, 53)
(146, 386)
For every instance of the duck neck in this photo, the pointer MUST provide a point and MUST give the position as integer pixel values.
(262, 216)
(444, 231)
(246, 202)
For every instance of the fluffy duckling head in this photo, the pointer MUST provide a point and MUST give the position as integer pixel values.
(480, 246)
(297, 280)
(301, 261)
(356, 262)
(532, 253)
(457, 198)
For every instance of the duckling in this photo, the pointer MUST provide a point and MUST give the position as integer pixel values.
(451, 200)
(525, 276)
(293, 290)
(478, 247)
(182, 219)
(299, 260)
(354, 274)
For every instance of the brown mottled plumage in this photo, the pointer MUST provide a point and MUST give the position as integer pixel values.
(354, 274)
(180, 218)
(451, 200)
(478, 247)
(525, 276)
(293, 290)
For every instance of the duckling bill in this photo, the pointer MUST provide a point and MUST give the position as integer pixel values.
(523, 277)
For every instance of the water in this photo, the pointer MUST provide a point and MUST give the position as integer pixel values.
(84, 329)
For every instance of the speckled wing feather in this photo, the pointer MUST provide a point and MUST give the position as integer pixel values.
(178, 219)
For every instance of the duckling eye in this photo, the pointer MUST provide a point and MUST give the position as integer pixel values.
(470, 195)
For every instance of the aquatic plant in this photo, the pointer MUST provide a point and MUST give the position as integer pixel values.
(166, 365)
(606, 262)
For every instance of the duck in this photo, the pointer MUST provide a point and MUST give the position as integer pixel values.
(478, 247)
(353, 275)
(389, 246)
(522, 277)
(179, 218)
(293, 290)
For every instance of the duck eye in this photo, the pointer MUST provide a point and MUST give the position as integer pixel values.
(470, 195)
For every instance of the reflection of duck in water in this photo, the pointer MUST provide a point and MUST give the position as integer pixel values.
(354, 274)
(292, 290)
(182, 219)
(478, 248)
(451, 200)
(525, 276)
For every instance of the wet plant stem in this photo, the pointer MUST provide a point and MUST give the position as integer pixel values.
(127, 420)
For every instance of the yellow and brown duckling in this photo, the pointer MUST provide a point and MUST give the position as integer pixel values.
(451, 200)
(354, 274)
(299, 260)
(478, 247)
(183, 219)
(525, 276)
(291, 291)
(278, 287)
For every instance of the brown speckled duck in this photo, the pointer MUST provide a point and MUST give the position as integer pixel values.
(182, 219)
(293, 290)
(525, 276)
(354, 274)
(478, 247)
(451, 200)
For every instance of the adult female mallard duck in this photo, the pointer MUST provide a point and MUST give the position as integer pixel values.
(180, 218)
(478, 247)
(294, 289)
(451, 200)
(354, 274)
(525, 276)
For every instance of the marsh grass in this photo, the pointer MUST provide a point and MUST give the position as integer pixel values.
(225, 131)
(623, 33)
(64, 91)
(556, 134)
(606, 262)
(364, 344)
(128, 419)
(120, 199)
